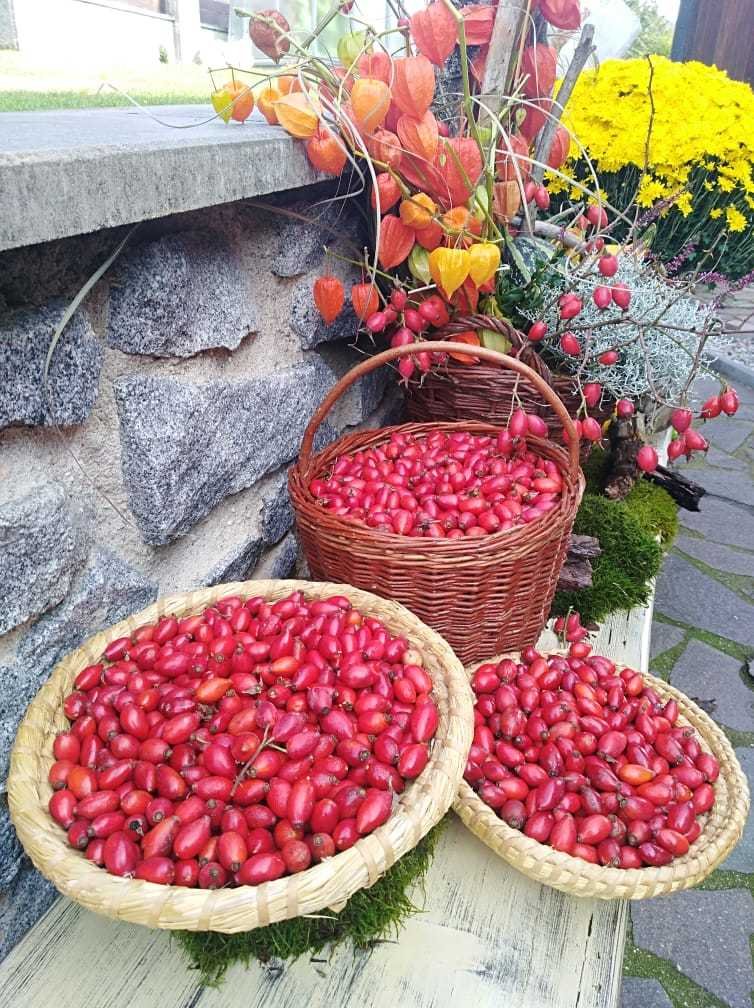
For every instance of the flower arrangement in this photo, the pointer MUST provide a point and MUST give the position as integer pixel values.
(689, 168)
(458, 183)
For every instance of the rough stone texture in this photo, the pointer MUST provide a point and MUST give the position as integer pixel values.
(30, 896)
(280, 562)
(301, 245)
(95, 170)
(638, 992)
(706, 935)
(712, 679)
(735, 486)
(742, 858)
(186, 447)
(726, 433)
(25, 338)
(11, 852)
(685, 594)
(722, 558)
(178, 295)
(106, 591)
(307, 323)
(721, 522)
(238, 564)
(43, 542)
(664, 637)
(277, 515)
(720, 460)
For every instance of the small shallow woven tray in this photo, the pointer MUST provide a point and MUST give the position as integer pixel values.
(722, 827)
(328, 884)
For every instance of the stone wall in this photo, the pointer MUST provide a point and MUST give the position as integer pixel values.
(156, 459)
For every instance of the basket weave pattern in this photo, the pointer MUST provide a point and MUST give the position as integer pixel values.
(328, 884)
(456, 391)
(483, 595)
(721, 831)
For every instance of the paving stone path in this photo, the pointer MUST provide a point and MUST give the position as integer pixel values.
(694, 949)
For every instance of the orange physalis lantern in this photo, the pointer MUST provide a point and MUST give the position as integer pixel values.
(564, 14)
(431, 236)
(396, 241)
(478, 22)
(511, 154)
(243, 100)
(413, 85)
(449, 268)
(419, 136)
(377, 65)
(470, 337)
(434, 31)
(389, 191)
(460, 163)
(417, 211)
(287, 84)
(297, 115)
(539, 66)
(534, 119)
(365, 300)
(385, 147)
(506, 200)
(561, 144)
(329, 297)
(325, 151)
(370, 100)
(266, 104)
(484, 258)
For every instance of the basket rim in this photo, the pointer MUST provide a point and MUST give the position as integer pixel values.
(578, 877)
(330, 883)
(573, 489)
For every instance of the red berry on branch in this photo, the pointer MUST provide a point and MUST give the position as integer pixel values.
(712, 408)
(625, 408)
(602, 297)
(570, 345)
(591, 429)
(609, 357)
(729, 401)
(608, 265)
(621, 296)
(537, 332)
(681, 419)
(571, 308)
(646, 459)
(676, 448)
(596, 216)
(592, 393)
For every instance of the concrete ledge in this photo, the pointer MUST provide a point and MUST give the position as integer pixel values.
(71, 172)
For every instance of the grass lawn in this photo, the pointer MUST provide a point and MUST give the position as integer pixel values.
(25, 86)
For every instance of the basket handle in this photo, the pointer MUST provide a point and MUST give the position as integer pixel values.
(435, 346)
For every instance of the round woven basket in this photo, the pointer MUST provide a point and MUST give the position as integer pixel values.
(722, 827)
(328, 884)
(484, 595)
(484, 392)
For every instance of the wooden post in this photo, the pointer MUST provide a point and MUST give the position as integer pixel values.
(503, 50)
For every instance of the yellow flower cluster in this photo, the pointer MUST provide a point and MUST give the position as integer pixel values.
(701, 118)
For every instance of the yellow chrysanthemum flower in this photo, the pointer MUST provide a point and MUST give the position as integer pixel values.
(735, 219)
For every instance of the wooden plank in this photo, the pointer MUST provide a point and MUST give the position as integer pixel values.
(492, 938)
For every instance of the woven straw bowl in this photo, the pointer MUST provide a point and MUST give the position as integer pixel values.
(482, 595)
(722, 828)
(328, 884)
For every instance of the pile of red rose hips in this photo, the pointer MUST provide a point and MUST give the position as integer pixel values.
(587, 759)
(241, 744)
(445, 486)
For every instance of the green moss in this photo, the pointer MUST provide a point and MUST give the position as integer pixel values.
(630, 558)
(662, 665)
(728, 647)
(655, 509)
(368, 916)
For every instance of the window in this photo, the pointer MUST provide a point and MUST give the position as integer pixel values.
(214, 14)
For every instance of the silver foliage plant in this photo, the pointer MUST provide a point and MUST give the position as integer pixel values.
(660, 337)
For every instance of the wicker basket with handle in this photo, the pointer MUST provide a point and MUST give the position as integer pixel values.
(328, 884)
(721, 831)
(483, 595)
(485, 392)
